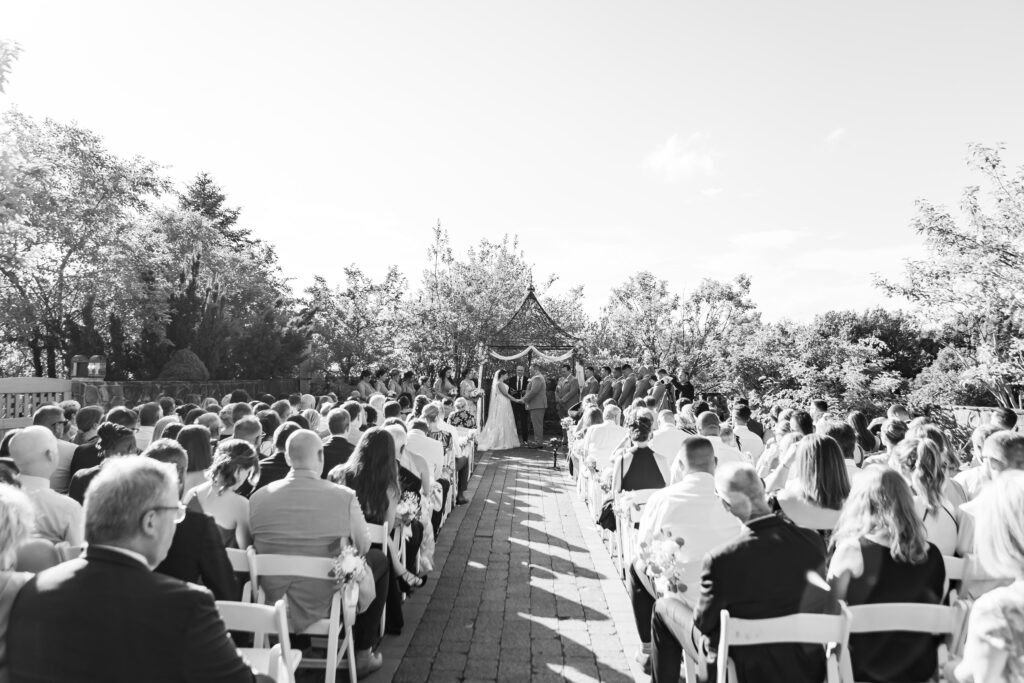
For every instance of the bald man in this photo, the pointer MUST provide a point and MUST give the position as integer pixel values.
(54, 419)
(303, 514)
(710, 427)
(763, 573)
(58, 518)
(691, 510)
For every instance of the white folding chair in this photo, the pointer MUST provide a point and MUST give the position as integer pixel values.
(625, 529)
(380, 535)
(469, 450)
(820, 629)
(280, 661)
(239, 560)
(342, 614)
(906, 617)
(69, 552)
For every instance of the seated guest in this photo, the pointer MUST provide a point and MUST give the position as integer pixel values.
(462, 416)
(304, 515)
(52, 417)
(1003, 418)
(149, 414)
(160, 428)
(866, 441)
(87, 455)
(197, 552)
(314, 421)
(356, 421)
(270, 421)
(950, 463)
(891, 433)
(114, 441)
(431, 451)
(17, 518)
(337, 447)
(392, 409)
(994, 650)
(760, 575)
(802, 421)
(299, 419)
(283, 409)
(212, 422)
(87, 421)
(438, 430)
(846, 437)
(750, 442)
(602, 439)
(58, 518)
(882, 555)
(815, 496)
(974, 478)
(107, 614)
(197, 442)
(710, 427)
(234, 463)
(689, 509)
(248, 429)
(167, 405)
(275, 467)
(639, 467)
(667, 439)
(920, 463)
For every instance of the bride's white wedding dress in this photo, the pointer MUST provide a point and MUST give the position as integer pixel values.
(499, 432)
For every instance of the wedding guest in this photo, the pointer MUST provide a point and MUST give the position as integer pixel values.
(282, 408)
(192, 415)
(688, 509)
(898, 411)
(815, 497)
(58, 518)
(70, 408)
(846, 437)
(270, 421)
(866, 441)
(17, 518)
(377, 402)
(436, 430)
(920, 463)
(356, 421)
(1003, 418)
(950, 464)
(750, 443)
(802, 422)
(161, 425)
(710, 427)
(149, 413)
(591, 416)
(462, 417)
(818, 409)
(195, 439)
(890, 434)
(974, 479)
(98, 611)
(337, 447)
(419, 443)
(882, 555)
(275, 467)
(249, 429)
(771, 557)
(234, 463)
(114, 441)
(87, 421)
(167, 405)
(994, 649)
(197, 552)
(303, 514)
(87, 455)
(639, 467)
(52, 417)
(601, 440)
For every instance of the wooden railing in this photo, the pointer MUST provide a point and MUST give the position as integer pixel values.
(22, 396)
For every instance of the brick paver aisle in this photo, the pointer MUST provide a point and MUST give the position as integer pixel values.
(525, 591)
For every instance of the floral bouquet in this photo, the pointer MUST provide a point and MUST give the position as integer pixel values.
(567, 423)
(408, 509)
(591, 463)
(623, 504)
(665, 561)
(476, 393)
(348, 567)
(607, 475)
(454, 393)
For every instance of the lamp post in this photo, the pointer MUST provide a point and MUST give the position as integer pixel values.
(79, 366)
(97, 367)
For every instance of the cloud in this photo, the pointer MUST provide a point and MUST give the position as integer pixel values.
(768, 239)
(835, 137)
(674, 159)
(711, 191)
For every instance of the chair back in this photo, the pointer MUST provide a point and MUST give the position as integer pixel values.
(810, 629)
(955, 567)
(379, 535)
(280, 661)
(70, 552)
(239, 560)
(35, 555)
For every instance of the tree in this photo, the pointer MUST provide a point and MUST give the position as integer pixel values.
(716, 318)
(206, 198)
(9, 51)
(973, 275)
(639, 321)
(61, 241)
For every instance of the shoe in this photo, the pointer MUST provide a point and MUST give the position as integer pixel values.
(366, 664)
(461, 500)
(409, 581)
(644, 660)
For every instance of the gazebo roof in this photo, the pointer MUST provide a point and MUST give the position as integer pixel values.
(531, 326)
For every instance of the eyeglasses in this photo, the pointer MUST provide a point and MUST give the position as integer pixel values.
(179, 511)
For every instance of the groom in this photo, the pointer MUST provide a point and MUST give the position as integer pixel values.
(536, 399)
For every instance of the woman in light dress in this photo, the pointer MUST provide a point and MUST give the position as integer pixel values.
(234, 463)
(499, 432)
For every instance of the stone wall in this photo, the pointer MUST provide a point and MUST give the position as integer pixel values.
(970, 417)
(131, 394)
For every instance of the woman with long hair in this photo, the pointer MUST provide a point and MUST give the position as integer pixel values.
(881, 555)
(17, 522)
(814, 497)
(638, 467)
(952, 490)
(443, 385)
(234, 463)
(195, 439)
(866, 441)
(920, 461)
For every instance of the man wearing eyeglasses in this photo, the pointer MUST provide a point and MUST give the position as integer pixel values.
(107, 616)
(52, 417)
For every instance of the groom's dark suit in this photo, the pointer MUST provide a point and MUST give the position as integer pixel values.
(517, 388)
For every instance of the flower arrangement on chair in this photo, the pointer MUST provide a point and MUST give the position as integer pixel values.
(665, 561)
(605, 480)
(591, 465)
(348, 567)
(407, 511)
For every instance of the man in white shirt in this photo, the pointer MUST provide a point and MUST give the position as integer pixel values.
(973, 480)
(750, 442)
(149, 413)
(710, 427)
(52, 418)
(601, 440)
(58, 518)
(691, 510)
(667, 439)
(432, 451)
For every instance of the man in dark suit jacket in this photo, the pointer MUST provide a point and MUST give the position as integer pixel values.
(275, 467)
(604, 391)
(762, 574)
(337, 447)
(107, 616)
(643, 384)
(628, 387)
(517, 389)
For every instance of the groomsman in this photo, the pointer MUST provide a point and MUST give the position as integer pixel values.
(517, 388)
(628, 387)
(616, 383)
(644, 384)
(604, 392)
(593, 383)
(567, 391)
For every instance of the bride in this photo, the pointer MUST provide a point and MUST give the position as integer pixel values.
(499, 432)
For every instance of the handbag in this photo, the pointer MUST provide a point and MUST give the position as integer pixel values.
(606, 520)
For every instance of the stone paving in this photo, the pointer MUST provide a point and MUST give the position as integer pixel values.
(522, 591)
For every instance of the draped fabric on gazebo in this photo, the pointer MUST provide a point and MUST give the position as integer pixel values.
(530, 333)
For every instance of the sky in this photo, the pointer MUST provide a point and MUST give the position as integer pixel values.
(786, 140)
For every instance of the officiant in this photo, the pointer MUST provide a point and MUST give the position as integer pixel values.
(517, 388)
